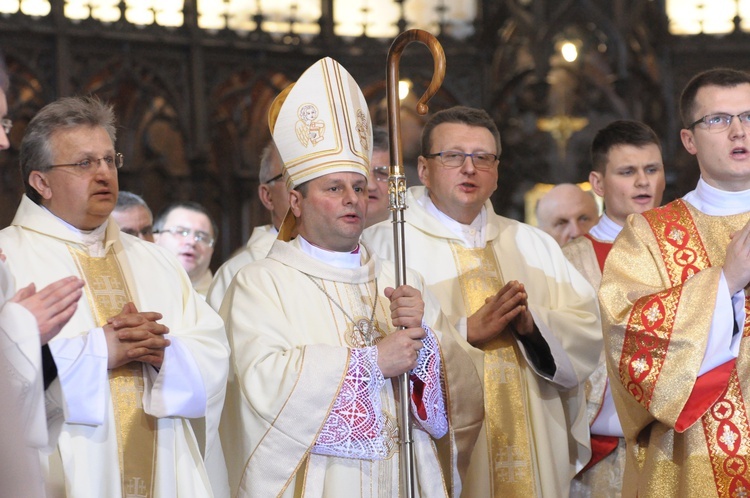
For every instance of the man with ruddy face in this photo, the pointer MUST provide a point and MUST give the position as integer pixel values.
(142, 354)
(629, 174)
(527, 316)
(673, 301)
(566, 212)
(315, 330)
(186, 230)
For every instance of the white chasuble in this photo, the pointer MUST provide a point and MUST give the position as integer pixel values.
(564, 308)
(315, 415)
(190, 383)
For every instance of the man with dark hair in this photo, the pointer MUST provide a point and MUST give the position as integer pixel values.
(274, 196)
(187, 230)
(133, 216)
(377, 183)
(529, 317)
(673, 298)
(142, 354)
(629, 174)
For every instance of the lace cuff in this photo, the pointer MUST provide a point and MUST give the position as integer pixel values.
(354, 428)
(427, 399)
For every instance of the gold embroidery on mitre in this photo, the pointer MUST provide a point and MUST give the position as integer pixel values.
(363, 130)
(508, 437)
(309, 129)
(107, 293)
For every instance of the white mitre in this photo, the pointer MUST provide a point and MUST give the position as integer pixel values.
(321, 125)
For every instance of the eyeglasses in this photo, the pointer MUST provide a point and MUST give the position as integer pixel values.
(115, 161)
(380, 173)
(721, 121)
(144, 232)
(7, 125)
(275, 178)
(454, 159)
(199, 236)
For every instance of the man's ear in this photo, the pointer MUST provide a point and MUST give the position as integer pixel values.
(596, 179)
(688, 140)
(38, 181)
(295, 201)
(424, 174)
(264, 194)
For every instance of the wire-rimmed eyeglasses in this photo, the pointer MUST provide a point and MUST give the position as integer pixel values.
(199, 236)
(455, 158)
(115, 161)
(720, 121)
(7, 125)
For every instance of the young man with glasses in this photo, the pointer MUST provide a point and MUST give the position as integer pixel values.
(530, 320)
(142, 355)
(674, 305)
(186, 230)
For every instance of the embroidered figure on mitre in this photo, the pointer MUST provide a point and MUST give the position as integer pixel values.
(307, 128)
(363, 129)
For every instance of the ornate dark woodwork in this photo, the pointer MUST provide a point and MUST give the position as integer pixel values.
(192, 104)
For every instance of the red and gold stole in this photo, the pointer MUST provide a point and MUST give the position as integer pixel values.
(506, 417)
(107, 293)
(716, 396)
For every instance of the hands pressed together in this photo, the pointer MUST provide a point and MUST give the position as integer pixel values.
(135, 336)
(508, 308)
(398, 352)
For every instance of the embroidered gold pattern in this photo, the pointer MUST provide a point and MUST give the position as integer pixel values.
(107, 293)
(508, 440)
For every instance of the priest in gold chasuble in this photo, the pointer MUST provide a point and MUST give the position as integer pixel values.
(142, 355)
(527, 314)
(673, 299)
(311, 403)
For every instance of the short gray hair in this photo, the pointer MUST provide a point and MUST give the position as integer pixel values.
(65, 113)
(269, 155)
(127, 200)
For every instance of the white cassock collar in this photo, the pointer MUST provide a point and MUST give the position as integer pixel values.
(345, 260)
(715, 202)
(605, 230)
(473, 235)
(92, 239)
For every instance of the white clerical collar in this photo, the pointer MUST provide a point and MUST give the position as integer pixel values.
(472, 235)
(606, 230)
(92, 239)
(715, 202)
(345, 260)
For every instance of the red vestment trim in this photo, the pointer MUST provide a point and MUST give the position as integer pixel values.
(601, 249)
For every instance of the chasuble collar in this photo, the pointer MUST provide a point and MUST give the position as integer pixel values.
(32, 216)
(290, 254)
(605, 230)
(715, 202)
(419, 216)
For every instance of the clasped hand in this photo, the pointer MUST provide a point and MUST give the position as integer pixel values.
(135, 336)
(398, 352)
(508, 308)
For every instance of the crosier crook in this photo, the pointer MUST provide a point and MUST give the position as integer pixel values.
(397, 205)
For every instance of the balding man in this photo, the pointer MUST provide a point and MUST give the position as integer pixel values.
(567, 212)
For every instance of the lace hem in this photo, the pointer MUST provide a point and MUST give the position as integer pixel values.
(427, 399)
